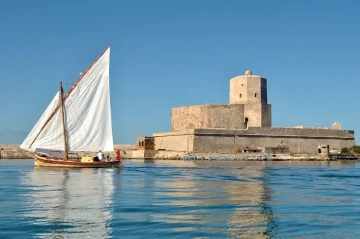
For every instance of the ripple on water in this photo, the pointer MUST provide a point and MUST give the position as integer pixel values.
(167, 199)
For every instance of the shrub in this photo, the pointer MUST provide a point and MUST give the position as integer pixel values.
(355, 149)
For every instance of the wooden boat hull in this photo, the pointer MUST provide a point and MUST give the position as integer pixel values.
(41, 161)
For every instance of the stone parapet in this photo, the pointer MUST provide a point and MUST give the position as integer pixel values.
(283, 132)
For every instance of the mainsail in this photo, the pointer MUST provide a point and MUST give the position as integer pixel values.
(87, 115)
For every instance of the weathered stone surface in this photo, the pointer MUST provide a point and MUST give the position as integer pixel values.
(175, 142)
(208, 116)
(248, 89)
(221, 116)
(298, 140)
(226, 141)
(9, 146)
(15, 154)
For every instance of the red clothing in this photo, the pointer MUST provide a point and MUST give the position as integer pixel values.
(118, 155)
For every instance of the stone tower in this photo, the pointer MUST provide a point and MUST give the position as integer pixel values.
(251, 91)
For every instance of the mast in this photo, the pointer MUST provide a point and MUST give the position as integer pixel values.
(63, 121)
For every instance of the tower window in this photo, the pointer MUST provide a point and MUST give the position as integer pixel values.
(240, 96)
(255, 94)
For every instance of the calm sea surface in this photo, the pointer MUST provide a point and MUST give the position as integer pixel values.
(181, 199)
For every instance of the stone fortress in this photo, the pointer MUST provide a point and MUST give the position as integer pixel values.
(243, 125)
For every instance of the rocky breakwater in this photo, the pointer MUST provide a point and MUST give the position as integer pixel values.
(12, 151)
(257, 156)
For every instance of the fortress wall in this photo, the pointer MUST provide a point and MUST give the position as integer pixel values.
(298, 140)
(253, 87)
(175, 141)
(251, 111)
(186, 117)
(266, 116)
(124, 146)
(208, 116)
(264, 91)
(228, 144)
(238, 85)
(259, 115)
(226, 141)
(225, 116)
(274, 131)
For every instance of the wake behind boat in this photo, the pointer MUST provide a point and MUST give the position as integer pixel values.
(78, 122)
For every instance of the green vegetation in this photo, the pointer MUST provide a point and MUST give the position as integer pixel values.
(352, 150)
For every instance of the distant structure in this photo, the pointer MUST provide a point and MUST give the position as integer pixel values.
(244, 123)
(248, 108)
(336, 125)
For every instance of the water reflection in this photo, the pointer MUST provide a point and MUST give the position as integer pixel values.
(172, 199)
(74, 203)
(221, 198)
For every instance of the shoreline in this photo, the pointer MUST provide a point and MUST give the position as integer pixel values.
(223, 160)
(133, 154)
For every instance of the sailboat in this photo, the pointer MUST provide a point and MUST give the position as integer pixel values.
(76, 126)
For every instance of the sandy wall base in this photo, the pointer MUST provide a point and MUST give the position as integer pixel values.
(181, 155)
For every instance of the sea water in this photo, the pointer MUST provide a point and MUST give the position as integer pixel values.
(181, 199)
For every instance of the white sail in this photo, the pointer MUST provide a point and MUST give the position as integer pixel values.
(47, 134)
(87, 115)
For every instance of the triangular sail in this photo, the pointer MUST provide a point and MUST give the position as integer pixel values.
(46, 138)
(87, 115)
(87, 110)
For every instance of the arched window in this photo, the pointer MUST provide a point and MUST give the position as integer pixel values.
(255, 94)
(240, 96)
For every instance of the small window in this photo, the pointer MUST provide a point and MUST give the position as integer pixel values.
(246, 119)
(240, 96)
(255, 94)
(242, 84)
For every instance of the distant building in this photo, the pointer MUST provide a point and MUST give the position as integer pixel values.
(244, 123)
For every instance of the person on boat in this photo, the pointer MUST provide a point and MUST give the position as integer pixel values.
(100, 156)
(118, 155)
(107, 158)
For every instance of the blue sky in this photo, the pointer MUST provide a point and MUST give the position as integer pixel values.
(166, 54)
